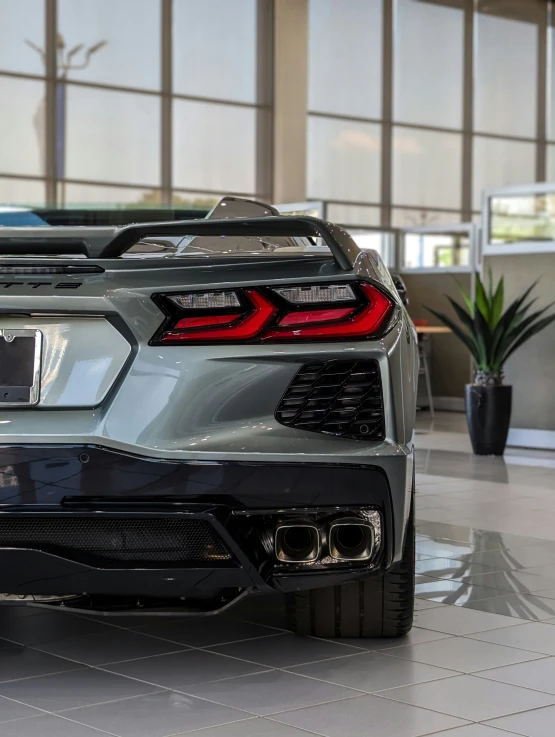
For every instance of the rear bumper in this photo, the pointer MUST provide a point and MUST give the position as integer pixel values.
(53, 482)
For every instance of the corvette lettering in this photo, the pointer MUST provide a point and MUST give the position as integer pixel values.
(37, 284)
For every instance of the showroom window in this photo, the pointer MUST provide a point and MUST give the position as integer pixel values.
(422, 217)
(426, 168)
(14, 191)
(154, 102)
(22, 131)
(102, 196)
(345, 57)
(343, 160)
(121, 44)
(344, 136)
(214, 146)
(412, 105)
(22, 36)
(214, 49)
(112, 136)
(499, 162)
(428, 46)
(452, 92)
(506, 71)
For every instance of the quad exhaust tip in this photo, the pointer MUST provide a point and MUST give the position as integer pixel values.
(345, 539)
(298, 542)
(351, 540)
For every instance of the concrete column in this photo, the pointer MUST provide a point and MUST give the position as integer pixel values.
(290, 100)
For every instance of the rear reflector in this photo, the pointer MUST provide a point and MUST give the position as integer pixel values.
(297, 313)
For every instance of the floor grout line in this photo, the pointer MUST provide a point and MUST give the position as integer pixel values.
(356, 695)
(250, 719)
(73, 721)
(184, 649)
(455, 716)
(193, 732)
(373, 693)
(112, 701)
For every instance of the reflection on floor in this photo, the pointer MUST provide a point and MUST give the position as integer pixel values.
(480, 661)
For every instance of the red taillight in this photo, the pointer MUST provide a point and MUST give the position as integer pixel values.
(248, 327)
(285, 314)
(366, 321)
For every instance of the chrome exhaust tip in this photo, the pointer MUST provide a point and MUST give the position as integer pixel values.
(351, 539)
(298, 542)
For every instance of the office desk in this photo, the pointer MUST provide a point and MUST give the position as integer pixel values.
(431, 329)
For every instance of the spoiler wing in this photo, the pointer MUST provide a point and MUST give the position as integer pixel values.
(106, 243)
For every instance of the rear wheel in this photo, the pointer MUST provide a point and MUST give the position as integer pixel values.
(376, 606)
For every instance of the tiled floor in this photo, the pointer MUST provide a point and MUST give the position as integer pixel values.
(480, 661)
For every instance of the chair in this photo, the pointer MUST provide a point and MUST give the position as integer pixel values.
(423, 350)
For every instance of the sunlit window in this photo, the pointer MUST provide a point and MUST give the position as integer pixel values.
(522, 218)
(114, 42)
(426, 168)
(22, 36)
(428, 250)
(429, 46)
(343, 160)
(497, 163)
(345, 57)
(506, 76)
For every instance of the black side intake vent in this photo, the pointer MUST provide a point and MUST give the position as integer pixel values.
(336, 397)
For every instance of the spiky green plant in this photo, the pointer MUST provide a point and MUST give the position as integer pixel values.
(491, 334)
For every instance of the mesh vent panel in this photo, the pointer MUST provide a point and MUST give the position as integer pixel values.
(336, 397)
(118, 542)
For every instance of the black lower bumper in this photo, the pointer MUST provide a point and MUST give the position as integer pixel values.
(90, 483)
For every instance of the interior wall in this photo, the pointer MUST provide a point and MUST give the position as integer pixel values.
(450, 361)
(530, 369)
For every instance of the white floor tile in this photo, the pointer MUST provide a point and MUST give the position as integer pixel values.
(536, 723)
(368, 715)
(460, 621)
(539, 675)
(535, 636)
(469, 697)
(463, 654)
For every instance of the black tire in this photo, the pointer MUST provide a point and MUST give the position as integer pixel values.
(376, 606)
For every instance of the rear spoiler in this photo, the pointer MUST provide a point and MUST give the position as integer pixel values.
(106, 243)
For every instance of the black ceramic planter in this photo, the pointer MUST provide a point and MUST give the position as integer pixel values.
(488, 414)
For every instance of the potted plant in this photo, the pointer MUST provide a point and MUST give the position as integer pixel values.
(492, 336)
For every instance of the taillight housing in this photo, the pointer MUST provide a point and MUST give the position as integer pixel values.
(301, 312)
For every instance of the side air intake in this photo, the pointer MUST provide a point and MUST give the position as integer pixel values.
(337, 398)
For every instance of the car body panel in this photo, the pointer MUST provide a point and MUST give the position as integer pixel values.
(81, 358)
(204, 414)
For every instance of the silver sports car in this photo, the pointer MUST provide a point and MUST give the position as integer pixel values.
(196, 411)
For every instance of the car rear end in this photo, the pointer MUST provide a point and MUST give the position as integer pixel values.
(186, 425)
